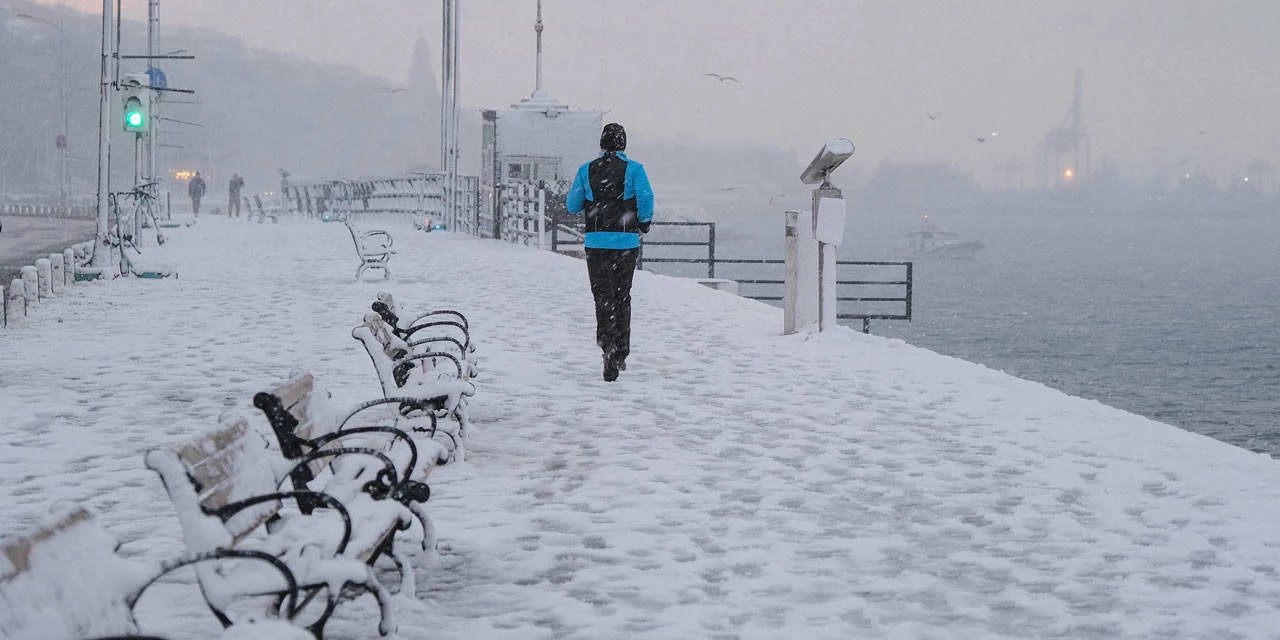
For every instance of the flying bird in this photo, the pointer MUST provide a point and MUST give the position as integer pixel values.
(392, 89)
(934, 116)
(722, 78)
(992, 135)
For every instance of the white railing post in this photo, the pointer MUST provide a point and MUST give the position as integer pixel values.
(828, 230)
(69, 264)
(15, 302)
(31, 285)
(800, 307)
(44, 276)
(542, 215)
(57, 280)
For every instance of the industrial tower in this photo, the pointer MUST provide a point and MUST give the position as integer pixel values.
(1067, 141)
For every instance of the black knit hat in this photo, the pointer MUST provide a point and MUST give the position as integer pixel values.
(613, 138)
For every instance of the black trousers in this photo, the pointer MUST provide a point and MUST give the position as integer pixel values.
(611, 271)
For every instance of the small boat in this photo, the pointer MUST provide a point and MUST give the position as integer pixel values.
(931, 241)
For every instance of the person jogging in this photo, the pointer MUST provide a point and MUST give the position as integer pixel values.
(613, 192)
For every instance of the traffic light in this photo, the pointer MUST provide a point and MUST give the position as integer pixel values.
(136, 117)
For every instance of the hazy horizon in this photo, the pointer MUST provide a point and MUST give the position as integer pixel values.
(1173, 84)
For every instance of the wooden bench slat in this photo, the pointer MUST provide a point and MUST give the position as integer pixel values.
(64, 581)
(18, 552)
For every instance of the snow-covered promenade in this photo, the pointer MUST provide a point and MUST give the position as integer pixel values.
(734, 483)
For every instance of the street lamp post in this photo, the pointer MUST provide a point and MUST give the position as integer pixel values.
(62, 103)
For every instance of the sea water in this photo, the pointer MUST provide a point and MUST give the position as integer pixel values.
(1173, 315)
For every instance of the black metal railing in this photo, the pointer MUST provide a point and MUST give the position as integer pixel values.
(560, 240)
(896, 290)
(709, 243)
(876, 298)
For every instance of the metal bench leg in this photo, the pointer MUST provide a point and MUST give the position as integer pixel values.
(317, 628)
(428, 529)
(408, 587)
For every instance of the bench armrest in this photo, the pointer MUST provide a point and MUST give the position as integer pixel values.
(223, 554)
(235, 507)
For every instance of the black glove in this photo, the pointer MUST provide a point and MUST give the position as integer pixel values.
(644, 227)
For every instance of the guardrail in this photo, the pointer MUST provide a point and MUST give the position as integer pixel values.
(46, 210)
(875, 298)
(390, 199)
(523, 213)
(850, 288)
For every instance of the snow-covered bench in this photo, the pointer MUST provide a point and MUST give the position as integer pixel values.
(439, 376)
(437, 328)
(254, 208)
(224, 488)
(373, 248)
(309, 428)
(64, 581)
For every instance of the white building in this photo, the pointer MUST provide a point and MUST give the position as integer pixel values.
(539, 139)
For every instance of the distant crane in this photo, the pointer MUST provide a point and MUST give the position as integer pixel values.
(1067, 140)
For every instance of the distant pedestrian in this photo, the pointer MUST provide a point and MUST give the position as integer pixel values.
(614, 193)
(233, 194)
(195, 189)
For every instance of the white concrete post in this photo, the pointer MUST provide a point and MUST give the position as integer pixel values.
(57, 279)
(828, 229)
(800, 308)
(31, 284)
(69, 265)
(15, 302)
(542, 214)
(44, 277)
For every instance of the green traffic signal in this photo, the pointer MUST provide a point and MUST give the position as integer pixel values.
(135, 119)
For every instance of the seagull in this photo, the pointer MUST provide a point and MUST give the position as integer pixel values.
(993, 134)
(721, 78)
(934, 116)
(392, 89)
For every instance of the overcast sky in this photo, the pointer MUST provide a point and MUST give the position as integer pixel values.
(1185, 82)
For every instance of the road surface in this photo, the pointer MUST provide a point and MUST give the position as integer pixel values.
(25, 238)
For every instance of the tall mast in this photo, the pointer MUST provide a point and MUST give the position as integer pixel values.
(537, 28)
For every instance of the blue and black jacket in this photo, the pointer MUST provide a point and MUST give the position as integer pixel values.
(615, 195)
